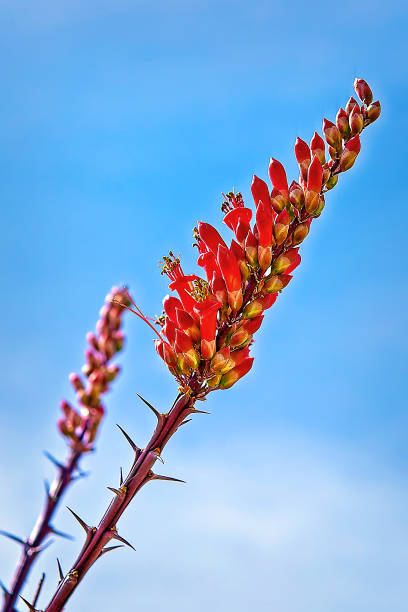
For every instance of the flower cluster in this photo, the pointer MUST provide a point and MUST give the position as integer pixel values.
(103, 345)
(207, 330)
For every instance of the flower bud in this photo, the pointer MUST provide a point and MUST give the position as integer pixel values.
(303, 157)
(320, 206)
(214, 380)
(275, 283)
(356, 120)
(279, 200)
(251, 249)
(373, 111)
(334, 153)
(296, 195)
(317, 147)
(278, 175)
(342, 122)
(350, 152)
(332, 182)
(239, 253)
(300, 232)
(231, 377)
(169, 330)
(239, 355)
(239, 336)
(186, 322)
(260, 191)
(220, 359)
(232, 276)
(363, 91)
(281, 228)
(258, 305)
(331, 134)
(286, 262)
(183, 365)
(350, 105)
(264, 222)
(76, 382)
(252, 325)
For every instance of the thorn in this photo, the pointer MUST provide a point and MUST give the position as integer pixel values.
(121, 478)
(54, 460)
(157, 453)
(108, 548)
(27, 603)
(60, 572)
(152, 408)
(38, 591)
(195, 411)
(6, 534)
(117, 491)
(160, 477)
(62, 534)
(47, 488)
(80, 521)
(116, 536)
(185, 422)
(129, 439)
(3, 588)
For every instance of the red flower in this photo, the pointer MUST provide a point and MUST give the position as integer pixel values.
(278, 176)
(317, 147)
(207, 312)
(260, 191)
(303, 157)
(232, 276)
(210, 237)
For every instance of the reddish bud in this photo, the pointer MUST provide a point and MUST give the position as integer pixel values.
(231, 377)
(186, 322)
(260, 191)
(275, 283)
(331, 134)
(239, 355)
(363, 91)
(303, 157)
(239, 253)
(210, 237)
(264, 221)
(373, 111)
(314, 176)
(281, 227)
(169, 355)
(220, 359)
(251, 249)
(296, 195)
(286, 262)
(331, 182)
(279, 200)
(300, 232)
(219, 289)
(252, 325)
(207, 312)
(350, 152)
(232, 276)
(342, 122)
(258, 305)
(278, 176)
(356, 120)
(182, 343)
(169, 330)
(320, 206)
(239, 337)
(350, 105)
(76, 382)
(317, 147)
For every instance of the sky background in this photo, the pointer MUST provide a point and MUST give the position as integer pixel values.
(122, 122)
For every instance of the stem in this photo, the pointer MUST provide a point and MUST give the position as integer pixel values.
(140, 473)
(42, 527)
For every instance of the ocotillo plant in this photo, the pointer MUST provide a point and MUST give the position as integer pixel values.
(205, 333)
(79, 427)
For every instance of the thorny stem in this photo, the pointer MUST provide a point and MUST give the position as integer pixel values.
(42, 528)
(140, 473)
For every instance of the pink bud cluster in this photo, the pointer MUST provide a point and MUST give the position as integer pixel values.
(208, 329)
(98, 373)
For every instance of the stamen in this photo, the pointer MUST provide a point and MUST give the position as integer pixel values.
(171, 266)
(201, 290)
(231, 201)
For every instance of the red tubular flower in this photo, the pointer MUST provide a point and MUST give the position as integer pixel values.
(350, 152)
(286, 262)
(207, 312)
(251, 249)
(332, 134)
(264, 222)
(170, 304)
(231, 377)
(342, 122)
(169, 355)
(281, 226)
(278, 175)
(300, 232)
(186, 322)
(208, 261)
(373, 111)
(252, 325)
(218, 288)
(169, 330)
(239, 253)
(317, 147)
(232, 276)
(238, 220)
(210, 237)
(303, 157)
(276, 282)
(363, 91)
(260, 191)
(314, 185)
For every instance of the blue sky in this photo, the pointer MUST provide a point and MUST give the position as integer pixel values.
(122, 123)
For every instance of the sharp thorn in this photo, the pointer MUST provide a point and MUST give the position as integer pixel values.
(27, 603)
(129, 439)
(80, 521)
(160, 477)
(121, 478)
(152, 408)
(60, 572)
(185, 422)
(3, 588)
(47, 488)
(6, 534)
(116, 491)
(108, 548)
(120, 539)
(195, 411)
(62, 534)
(158, 456)
(53, 460)
(38, 591)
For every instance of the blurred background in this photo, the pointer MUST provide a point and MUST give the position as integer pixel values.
(122, 122)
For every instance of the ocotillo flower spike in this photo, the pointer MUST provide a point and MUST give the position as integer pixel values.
(202, 326)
